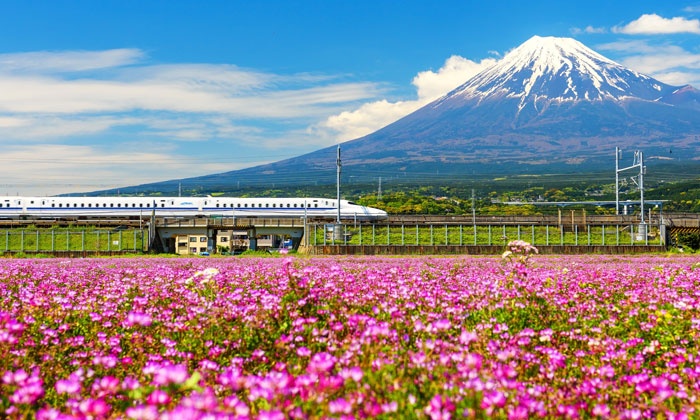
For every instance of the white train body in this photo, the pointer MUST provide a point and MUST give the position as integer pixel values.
(57, 207)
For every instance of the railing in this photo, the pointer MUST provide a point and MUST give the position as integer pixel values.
(460, 234)
(230, 222)
(73, 240)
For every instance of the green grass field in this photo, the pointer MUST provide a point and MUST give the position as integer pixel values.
(72, 240)
(485, 235)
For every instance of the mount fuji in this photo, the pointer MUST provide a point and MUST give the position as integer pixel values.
(549, 105)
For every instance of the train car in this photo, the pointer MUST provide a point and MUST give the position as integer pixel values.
(114, 207)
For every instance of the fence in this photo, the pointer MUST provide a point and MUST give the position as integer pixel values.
(73, 240)
(451, 234)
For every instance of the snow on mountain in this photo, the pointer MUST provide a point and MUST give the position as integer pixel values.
(558, 69)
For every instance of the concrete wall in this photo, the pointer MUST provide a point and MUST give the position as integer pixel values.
(474, 249)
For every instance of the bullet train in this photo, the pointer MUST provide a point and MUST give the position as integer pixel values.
(57, 207)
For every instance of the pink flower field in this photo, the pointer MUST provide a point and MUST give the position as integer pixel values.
(276, 338)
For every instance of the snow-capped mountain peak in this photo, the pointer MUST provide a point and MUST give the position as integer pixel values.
(560, 69)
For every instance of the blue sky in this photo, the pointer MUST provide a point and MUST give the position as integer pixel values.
(103, 94)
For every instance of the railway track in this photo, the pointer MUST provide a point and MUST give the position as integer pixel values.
(578, 218)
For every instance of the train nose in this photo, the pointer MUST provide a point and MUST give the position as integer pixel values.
(375, 213)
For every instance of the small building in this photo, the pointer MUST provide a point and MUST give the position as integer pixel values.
(232, 240)
(191, 244)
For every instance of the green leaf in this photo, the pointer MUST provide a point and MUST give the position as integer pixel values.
(193, 381)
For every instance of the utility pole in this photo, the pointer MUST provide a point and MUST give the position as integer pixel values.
(338, 165)
(379, 195)
(641, 183)
(473, 211)
(617, 181)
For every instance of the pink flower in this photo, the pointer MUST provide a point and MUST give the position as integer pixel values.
(138, 318)
(493, 400)
(170, 374)
(354, 372)
(68, 386)
(321, 362)
(601, 410)
(92, 407)
(440, 408)
(158, 397)
(271, 415)
(142, 412)
(339, 406)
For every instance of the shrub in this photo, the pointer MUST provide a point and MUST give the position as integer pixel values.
(689, 240)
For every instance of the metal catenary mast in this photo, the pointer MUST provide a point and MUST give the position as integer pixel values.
(638, 162)
(338, 165)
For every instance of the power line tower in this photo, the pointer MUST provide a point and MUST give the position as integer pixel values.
(638, 162)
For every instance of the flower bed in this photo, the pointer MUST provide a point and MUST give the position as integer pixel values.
(574, 337)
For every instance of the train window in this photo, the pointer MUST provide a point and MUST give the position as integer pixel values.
(162, 204)
(75, 204)
(90, 205)
(274, 205)
(52, 205)
(119, 204)
(316, 205)
(111, 204)
(217, 204)
(31, 202)
(140, 204)
(287, 204)
(60, 205)
(245, 205)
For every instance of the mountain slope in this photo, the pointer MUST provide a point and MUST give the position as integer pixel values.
(551, 104)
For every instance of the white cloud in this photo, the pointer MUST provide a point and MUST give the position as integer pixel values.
(372, 116)
(588, 30)
(654, 63)
(668, 63)
(629, 46)
(68, 61)
(456, 70)
(51, 95)
(691, 9)
(648, 24)
(679, 78)
(366, 119)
